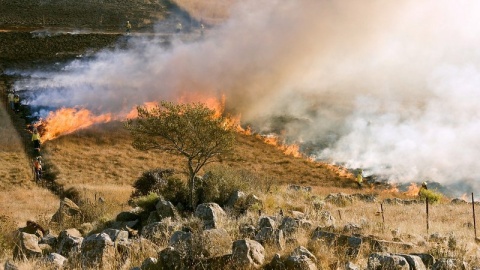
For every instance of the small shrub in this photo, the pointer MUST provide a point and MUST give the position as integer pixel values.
(151, 181)
(430, 195)
(147, 202)
(174, 191)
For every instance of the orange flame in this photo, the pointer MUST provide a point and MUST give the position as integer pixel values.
(393, 189)
(288, 149)
(68, 120)
(412, 190)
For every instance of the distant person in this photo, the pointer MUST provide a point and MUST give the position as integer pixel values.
(11, 100)
(202, 29)
(178, 27)
(128, 27)
(36, 139)
(360, 178)
(422, 188)
(37, 166)
(16, 103)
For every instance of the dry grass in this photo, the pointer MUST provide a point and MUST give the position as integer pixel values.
(208, 11)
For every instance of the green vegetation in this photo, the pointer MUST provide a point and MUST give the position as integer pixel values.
(189, 130)
(430, 195)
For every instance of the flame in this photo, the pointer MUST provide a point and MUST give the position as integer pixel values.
(393, 189)
(288, 149)
(68, 120)
(412, 190)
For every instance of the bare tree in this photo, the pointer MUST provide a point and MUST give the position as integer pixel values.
(189, 130)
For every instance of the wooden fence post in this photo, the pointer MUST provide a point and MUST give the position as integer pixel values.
(474, 222)
(428, 225)
(383, 217)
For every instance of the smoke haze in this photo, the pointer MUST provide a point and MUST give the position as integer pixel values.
(391, 86)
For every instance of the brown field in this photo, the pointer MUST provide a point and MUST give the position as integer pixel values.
(207, 11)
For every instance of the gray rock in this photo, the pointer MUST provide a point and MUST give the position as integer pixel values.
(55, 260)
(165, 209)
(127, 216)
(149, 264)
(68, 210)
(116, 235)
(325, 219)
(415, 262)
(49, 239)
(427, 259)
(215, 243)
(211, 214)
(182, 242)
(237, 200)
(304, 251)
(271, 237)
(276, 263)
(299, 262)
(351, 266)
(385, 261)
(289, 225)
(98, 251)
(170, 258)
(352, 228)
(9, 265)
(69, 241)
(158, 232)
(449, 264)
(247, 254)
(265, 222)
(339, 199)
(27, 247)
(247, 231)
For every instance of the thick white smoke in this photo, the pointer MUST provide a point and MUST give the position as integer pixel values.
(391, 86)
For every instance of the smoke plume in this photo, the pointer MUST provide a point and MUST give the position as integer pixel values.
(389, 86)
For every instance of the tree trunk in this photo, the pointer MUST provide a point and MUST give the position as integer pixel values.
(191, 185)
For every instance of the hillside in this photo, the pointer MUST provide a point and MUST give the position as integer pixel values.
(97, 167)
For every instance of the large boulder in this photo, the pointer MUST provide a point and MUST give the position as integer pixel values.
(27, 247)
(299, 262)
(271, 237)
(98, 251)
(247, 254)
(170, 258)
(385, 261)
(211, 214)
(237, 200)
(68, 210)
(69, 241)
(116, 235)
(214, 243)
(266, 222)
(55, 261)
(449, 264)
(182, 242)
(304, 251)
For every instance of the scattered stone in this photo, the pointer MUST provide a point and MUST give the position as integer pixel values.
(165, 209)
(289, 225)
(381, 261)
(266, 222)
(352, 228)
(27, 247)
(247, 254)
(215, 243)
(247, 231)
(272, 237)
(304, 251)
(170, 258)
(97, 251)
(449, 264)
(55, 260)
(68, 210)
(69, 241)
(211, 214)
(427, 259)
(299, 262)
(339, 199)
(158, 232)
(237, 200)
(116, 235)
(127, 216)
(415, 262)
(182, 242)
(10, 266)
(149, 264)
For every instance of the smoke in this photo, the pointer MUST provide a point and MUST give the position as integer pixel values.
(389, 86)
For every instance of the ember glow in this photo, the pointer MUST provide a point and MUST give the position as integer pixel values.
(412, 190)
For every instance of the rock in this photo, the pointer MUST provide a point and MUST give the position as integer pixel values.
(55, 260)
(265, 222)
(211, 214)
(68, 210)
(49, 239)
(369, 198)
(126, 225)
(237, 200)
(254, 200)
(325, 219)
(153, 217)
(85, 228)
(339, 199)
(383, 261)
(165, 209)
(351, 266)
(276, 263)
(299, 262)
(385, 246)
(415, 262)
(303, 251)
(170, 258)
(215, 243)
(27, 247)
(127, 216)
(298, 215)
(427, 259)
(116, 235)
(247, 231)
(449, 264)
(46, 248)
(247, 254)
(352, 228)
(69, 241)
(158, 232)
(149, 264)
(33, 228)
(350, 245)
(272, 237)
(289, 226)
(98, 251)
(182, 242)
(458, 201)
(10, 266)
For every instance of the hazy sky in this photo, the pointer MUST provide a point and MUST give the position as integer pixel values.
(391, 86)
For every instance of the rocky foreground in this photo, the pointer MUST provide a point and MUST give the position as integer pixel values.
(237, 237)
